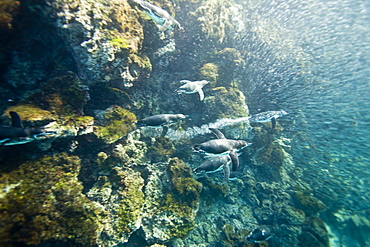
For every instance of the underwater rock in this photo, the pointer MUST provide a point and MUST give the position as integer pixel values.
(314, 233)
(307, 202)
(63, 95)
(121, 198)
(58, 106)
(225, 103)
(209, 72)
(116, 123)
(31, 114)
(9, 9)
(161, 150)
(101, 36)
(172, 200)
(42, 200)
(229, 61)
(218, 18)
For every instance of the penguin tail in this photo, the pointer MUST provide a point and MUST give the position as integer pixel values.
(139, 124)
(196, 148)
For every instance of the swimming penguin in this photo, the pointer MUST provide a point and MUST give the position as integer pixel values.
(191, 87)
(214, 164)
(267, 116)
(261, 233)
(222, 146)
(16, 130)
(160, 16)
(161, 120)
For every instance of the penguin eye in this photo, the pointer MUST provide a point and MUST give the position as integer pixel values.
(263, 232)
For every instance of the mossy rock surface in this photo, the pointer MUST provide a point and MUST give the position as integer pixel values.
(161, 150)
(314, 234)
(209, 72)
(130, 198)
(118, 123)
(225, 103)
(183, 199)
(31, 114)
(43, 201)
(308, 203)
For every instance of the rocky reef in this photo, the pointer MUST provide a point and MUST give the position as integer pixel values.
(86, 71)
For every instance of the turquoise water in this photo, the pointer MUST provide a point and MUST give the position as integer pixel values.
(316, 66)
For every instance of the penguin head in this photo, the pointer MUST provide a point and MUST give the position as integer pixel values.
(262, 233)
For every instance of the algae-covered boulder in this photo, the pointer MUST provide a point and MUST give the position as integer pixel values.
(209, 72)
(225, 103)
(161, 150)
(314, 233)
(63, 94)
(31, 114)
(116, 123)
(42, 200)
(228, 60)
(183, 199)
(102, 36)
(307, 202)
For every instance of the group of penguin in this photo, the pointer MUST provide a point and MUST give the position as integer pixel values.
(226, 149)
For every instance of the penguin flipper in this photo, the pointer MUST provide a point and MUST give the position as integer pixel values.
(164, 130)
(273, 122)
(16, 119)
(218, 133)
(234, 160)
(201, 94)
(226, 169)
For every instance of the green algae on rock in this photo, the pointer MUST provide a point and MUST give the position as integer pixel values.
(8, 10)
(209, 72)
(161, 150)
(62, 95)
(101, 36)
(184, 198)
(31, 113)
(314, 233)
(118, 123)
(129, 198)
(225, 103)
(307, 202)
(42, 200)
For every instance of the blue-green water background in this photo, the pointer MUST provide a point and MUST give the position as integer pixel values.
(323, 81)
(314, 62)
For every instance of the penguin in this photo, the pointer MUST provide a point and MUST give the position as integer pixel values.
(191, 87)
(16, 130)
(160, 120)
(160, 16)
(267, 116)
(261, 233)
(214, 164)
(222, 146)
